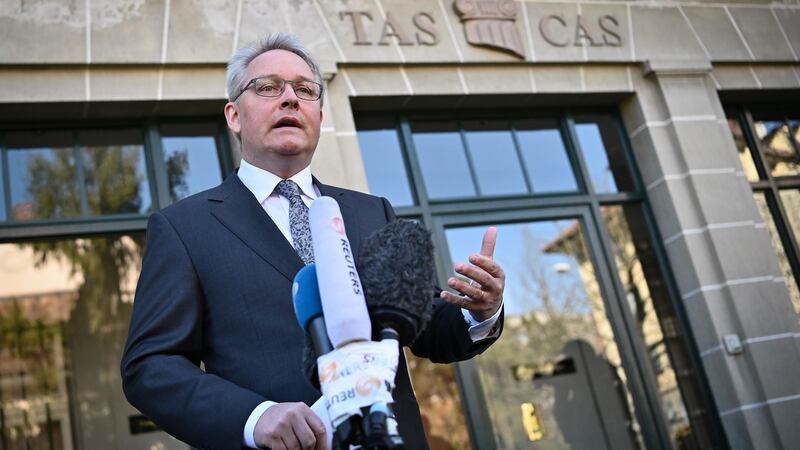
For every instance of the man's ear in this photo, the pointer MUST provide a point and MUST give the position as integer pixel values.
(232, 116)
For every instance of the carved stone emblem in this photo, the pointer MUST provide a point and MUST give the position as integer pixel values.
(491, 23)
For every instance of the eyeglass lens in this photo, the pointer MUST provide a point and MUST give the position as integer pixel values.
(273, 87)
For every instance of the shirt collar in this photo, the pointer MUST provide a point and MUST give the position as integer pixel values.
(262, 182)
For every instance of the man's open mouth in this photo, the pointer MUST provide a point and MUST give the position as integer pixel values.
(287, 122)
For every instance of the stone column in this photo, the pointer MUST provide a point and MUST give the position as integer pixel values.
(337, 160)
(719, 250)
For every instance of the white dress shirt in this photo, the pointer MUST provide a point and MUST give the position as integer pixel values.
(262, 184)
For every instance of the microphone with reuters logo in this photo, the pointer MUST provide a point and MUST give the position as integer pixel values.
(343, 304)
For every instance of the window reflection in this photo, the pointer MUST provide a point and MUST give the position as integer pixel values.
(442, 159)
(114, 166)
(792, 207)
(656, 323)
(383, 161)
(745, 156)
(558, 355)
(436, 389)
(64, 310)
(545, 156)
(776, 144)
(494, 157)
(43, 176)
(603, 153)
(191, 158)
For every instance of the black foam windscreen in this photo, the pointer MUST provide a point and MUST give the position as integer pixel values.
(397, 273)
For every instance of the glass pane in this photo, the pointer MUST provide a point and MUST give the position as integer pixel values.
(555, 379)
(42, 175)
(792, 208)
(745, 155)
(383, 161)
(115, 173)
(191, 157)
(494, 157)
(440, 405)
(776, 146)
(545, 156)
(657, 326)
(604, 154)
(442, 160)
(64, 310)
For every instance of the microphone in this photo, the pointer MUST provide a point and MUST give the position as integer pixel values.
(397, 268)
(339, 284)
(357, 376)
(308, 310)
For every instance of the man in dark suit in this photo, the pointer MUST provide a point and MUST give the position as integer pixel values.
(215, 285)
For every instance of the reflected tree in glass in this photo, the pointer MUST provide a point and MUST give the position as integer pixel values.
(440, 405)
(745, 155)
(29, 346)
(191, 156)
(62, 328)
(177, 168)
(777, 147)
(656, 322)
(50, 187)
(792, 207)
(103, 263)
(115, 180)
(555, 317)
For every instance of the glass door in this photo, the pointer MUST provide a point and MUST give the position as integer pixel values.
(555, 379)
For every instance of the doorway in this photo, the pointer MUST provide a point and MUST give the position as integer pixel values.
(556, 379)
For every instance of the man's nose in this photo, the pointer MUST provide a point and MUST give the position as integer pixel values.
(289, 98)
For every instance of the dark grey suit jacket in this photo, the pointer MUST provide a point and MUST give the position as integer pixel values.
(215, 287)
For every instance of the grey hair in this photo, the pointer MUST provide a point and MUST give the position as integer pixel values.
(237, 66)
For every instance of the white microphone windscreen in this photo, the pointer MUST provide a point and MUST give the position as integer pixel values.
(342, 297)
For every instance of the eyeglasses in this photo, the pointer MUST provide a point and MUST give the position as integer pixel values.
(274, 87)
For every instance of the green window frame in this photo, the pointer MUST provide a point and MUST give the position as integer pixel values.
(155, 170)
(631, 192)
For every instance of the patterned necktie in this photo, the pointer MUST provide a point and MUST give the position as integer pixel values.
(298, 220)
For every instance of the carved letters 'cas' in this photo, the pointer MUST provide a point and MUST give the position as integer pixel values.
(491, 23)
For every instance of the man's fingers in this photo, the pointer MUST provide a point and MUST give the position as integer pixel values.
(457, 300)
(277, 444)
(319, 431)
(489, 241)
(289, 426)
(487, 264)
(467, 289)
(480, 276)
(322, 442)
(306, 438)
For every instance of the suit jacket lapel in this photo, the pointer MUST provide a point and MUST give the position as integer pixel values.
(237, 209)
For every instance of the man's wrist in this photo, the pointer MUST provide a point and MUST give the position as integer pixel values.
(252, 420)
(483, 316)
(484, 329)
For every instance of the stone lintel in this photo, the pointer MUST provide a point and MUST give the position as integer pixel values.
(676, 67)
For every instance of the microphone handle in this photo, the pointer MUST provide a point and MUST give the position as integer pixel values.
(319, 339)
(389, 333)
(319, 336)
(380, 425)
